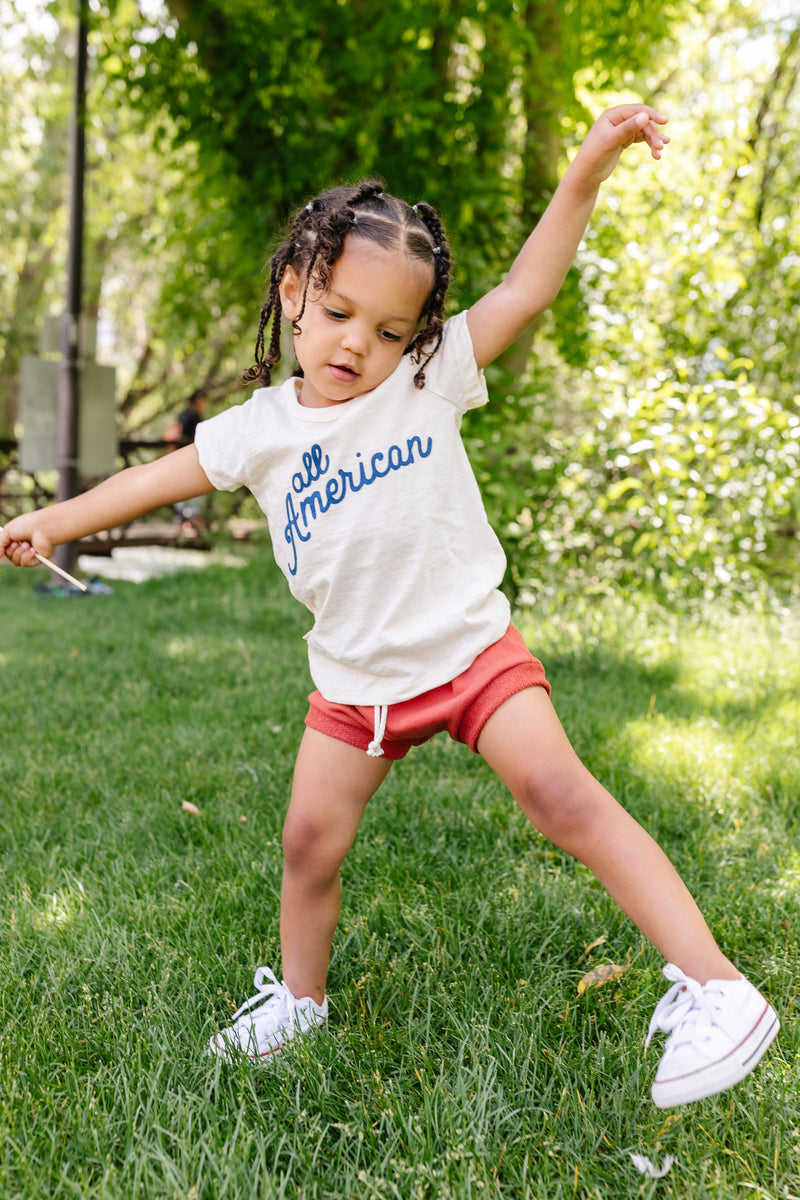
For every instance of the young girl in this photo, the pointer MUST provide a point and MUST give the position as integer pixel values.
(378, 525)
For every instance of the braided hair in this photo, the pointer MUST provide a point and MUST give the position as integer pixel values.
(316, 240)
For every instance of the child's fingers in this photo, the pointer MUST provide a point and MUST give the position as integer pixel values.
(656, 116)
(639, 126)
(22, 543)
(655, 139)
(21, 554)
(15, 552)
(624, 112)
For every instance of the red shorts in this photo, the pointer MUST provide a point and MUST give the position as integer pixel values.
(462, 707)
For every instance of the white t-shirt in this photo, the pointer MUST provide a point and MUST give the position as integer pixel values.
(376, 521)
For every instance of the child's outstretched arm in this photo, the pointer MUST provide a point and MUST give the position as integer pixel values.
(116, 501)
(538, 271)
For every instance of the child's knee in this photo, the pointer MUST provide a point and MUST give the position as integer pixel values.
(560, 805)
(310, 846)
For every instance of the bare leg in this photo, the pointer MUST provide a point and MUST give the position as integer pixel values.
(333, 783)
(524, 743)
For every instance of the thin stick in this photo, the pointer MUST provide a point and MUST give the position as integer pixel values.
(54, 567)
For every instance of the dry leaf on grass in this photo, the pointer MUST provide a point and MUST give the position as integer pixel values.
(187, 806)
(592, 946)
(601, 974)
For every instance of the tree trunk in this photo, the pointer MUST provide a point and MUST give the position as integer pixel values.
(544, 98)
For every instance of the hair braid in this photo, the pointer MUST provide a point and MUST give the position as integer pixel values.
(368, 194)
(434, 309)
(271, 310)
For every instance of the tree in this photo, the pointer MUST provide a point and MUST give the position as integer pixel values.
(457, 103)
(33, 80)
(676, 458)
(211, 120)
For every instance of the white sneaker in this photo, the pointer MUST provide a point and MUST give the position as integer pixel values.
(717, 1035)
(265, 1031)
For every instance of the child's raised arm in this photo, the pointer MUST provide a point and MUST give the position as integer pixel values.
(116, 501)
(538, 271)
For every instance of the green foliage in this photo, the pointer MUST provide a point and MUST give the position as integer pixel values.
(682, 486)
(453, 103)
(33, 79)
(209, 121)
(708, 249)
(687, 286)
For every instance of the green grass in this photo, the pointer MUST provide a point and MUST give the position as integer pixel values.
(461, 1060)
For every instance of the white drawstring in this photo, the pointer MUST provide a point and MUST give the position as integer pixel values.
(375, 749)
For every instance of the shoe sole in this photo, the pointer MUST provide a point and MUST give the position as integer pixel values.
(719, 1076)
(232, 1053)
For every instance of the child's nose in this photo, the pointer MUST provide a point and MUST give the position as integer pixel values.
(354, 339)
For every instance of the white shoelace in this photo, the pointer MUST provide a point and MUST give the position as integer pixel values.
(269, 989)
(681, 1010)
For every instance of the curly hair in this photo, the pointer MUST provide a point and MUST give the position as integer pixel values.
(316, 240)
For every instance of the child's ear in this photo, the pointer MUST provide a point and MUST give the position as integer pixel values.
(291, 293)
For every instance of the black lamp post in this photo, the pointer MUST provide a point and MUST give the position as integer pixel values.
(69, 377)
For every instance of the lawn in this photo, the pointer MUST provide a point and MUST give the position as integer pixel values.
(461, 1059)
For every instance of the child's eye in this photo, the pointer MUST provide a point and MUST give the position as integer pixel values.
(391, 337)
(334, 315)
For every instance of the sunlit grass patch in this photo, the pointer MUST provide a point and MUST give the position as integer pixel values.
(787, 883)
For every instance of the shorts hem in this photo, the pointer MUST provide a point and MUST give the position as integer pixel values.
(503, 687)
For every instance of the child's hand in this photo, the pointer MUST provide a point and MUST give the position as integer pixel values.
(21, 542)
(612, 132)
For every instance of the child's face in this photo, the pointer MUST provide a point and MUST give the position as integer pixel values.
(353, 336)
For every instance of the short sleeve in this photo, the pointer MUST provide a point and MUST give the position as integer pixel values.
(452, 373)
(222, 446)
